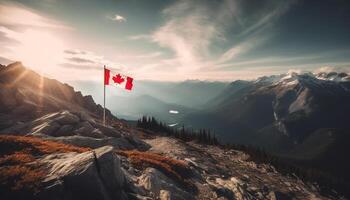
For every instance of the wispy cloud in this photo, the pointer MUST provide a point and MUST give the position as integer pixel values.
(81, 67)
(140, 37)
(149, 55)
(242, 48)
(276, 10)
(118, 18)
(192, 30)
(189, 32)
(74, 52)
(15, 16)
(81, 59)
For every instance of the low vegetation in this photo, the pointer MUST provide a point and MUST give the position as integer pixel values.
(177, 169)
(20, 174)
(203, 136)
(34, 146)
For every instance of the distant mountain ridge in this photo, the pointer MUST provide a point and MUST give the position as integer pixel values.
(275, 100)
(302, 116)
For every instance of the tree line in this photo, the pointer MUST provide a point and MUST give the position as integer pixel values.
(202, 136)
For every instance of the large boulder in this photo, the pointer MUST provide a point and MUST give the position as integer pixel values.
(156, 182)
(164, 195)
(53, 124)
(47, 128)
(65, 130)
(66, 117)
(107, 130)
(230, 188)
(86, 129)
(84, 116)
(91, 175)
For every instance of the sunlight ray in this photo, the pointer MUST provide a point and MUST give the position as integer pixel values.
(19, 77)
(41, 93)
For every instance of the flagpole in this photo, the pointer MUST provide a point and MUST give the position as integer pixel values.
(104, 96)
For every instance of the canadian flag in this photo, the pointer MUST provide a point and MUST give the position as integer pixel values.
(117, 79)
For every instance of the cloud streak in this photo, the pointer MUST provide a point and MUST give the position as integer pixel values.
(81, 59)
(189, 33)
(15, 16)
(192, 30)
(140, 37)
(242, 48)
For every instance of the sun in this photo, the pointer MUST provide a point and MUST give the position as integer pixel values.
(37, 49)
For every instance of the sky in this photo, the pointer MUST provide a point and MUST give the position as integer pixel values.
(175, 40)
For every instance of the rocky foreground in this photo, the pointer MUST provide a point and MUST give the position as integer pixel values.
(231, 175)
(53, 146)
(52, 170)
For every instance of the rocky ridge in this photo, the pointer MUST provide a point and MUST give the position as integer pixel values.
(231, 175)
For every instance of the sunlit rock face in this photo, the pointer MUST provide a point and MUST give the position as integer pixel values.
(95, 174)
(24, 90)
(156, 182)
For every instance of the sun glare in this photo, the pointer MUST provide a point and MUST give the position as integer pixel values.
(37, 49)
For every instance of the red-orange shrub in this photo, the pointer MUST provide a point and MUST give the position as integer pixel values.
(177, 169)
(34, 146)
(20, 175)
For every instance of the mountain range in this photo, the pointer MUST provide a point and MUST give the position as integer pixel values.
(293, 105)
(53, 145)
(301, 116)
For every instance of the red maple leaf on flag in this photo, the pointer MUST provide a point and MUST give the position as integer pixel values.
(118, 79)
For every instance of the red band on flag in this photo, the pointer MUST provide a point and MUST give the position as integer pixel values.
(107, 75)
(129, 84)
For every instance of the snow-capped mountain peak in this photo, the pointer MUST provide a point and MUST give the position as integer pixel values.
(292, 78)
(333, 76)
